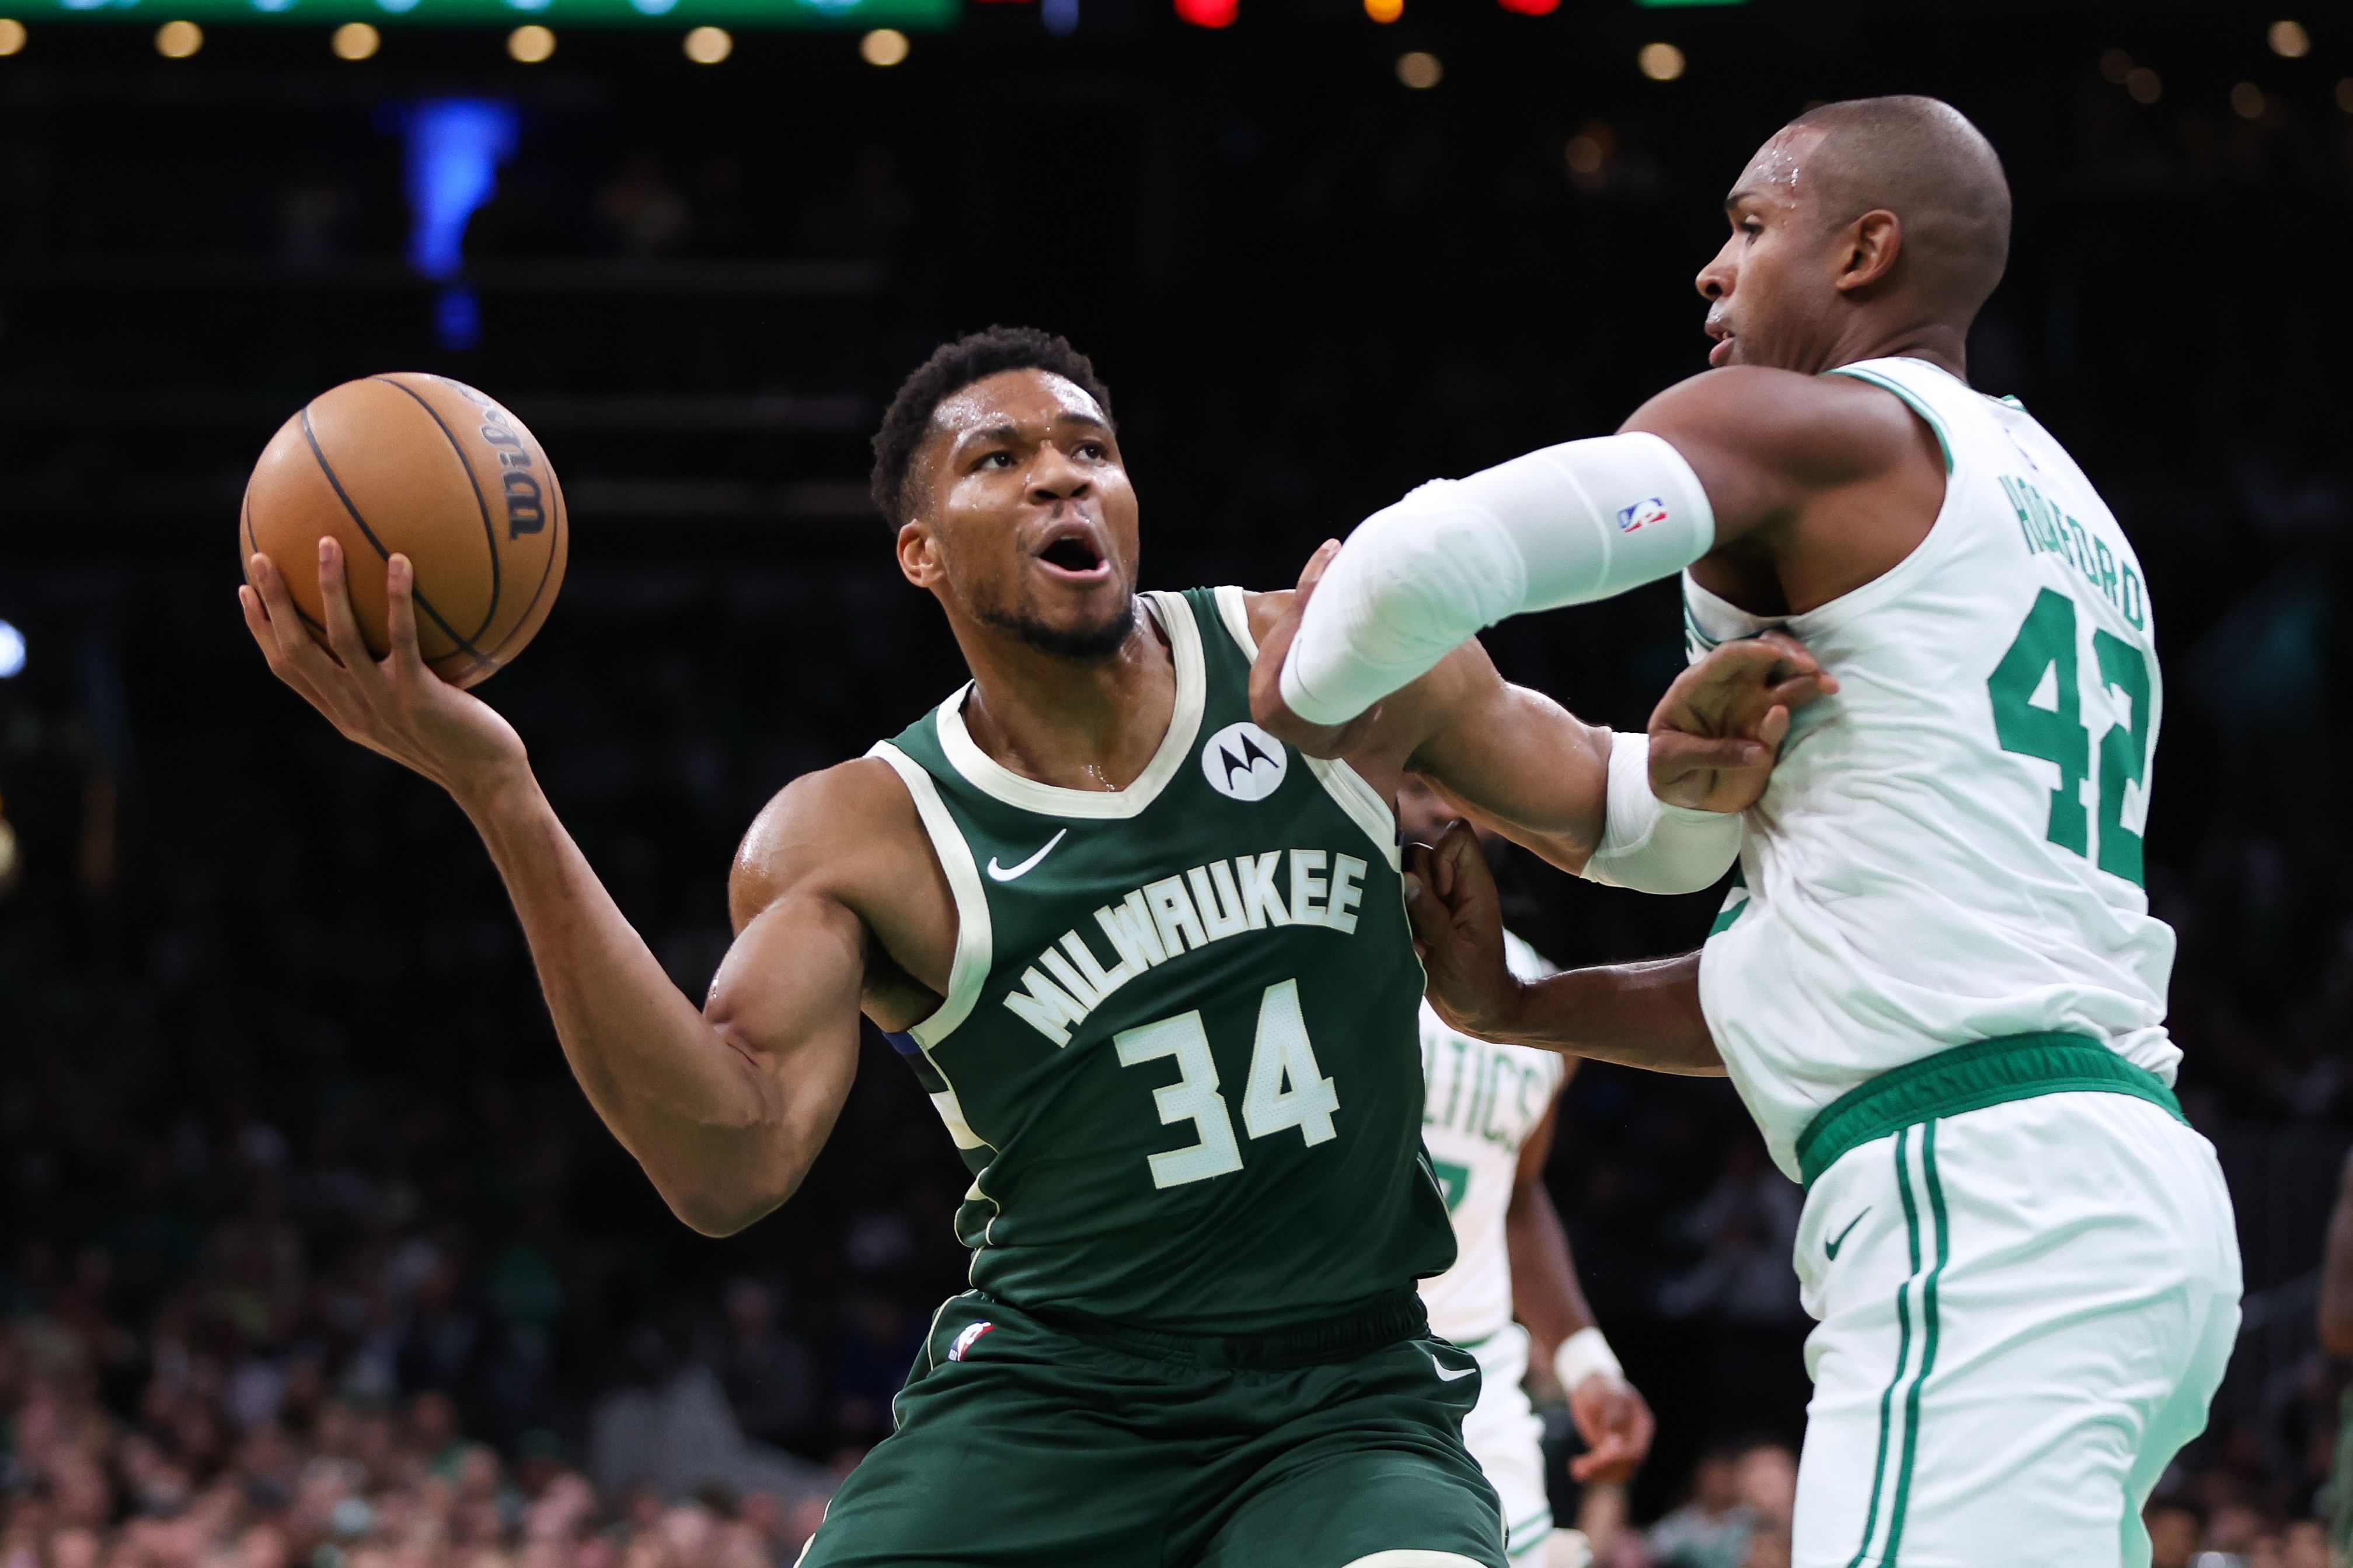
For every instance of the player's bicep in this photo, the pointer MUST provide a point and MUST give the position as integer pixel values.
(785, 1004)
(1763, 442)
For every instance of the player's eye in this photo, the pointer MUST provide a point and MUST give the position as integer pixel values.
(1751, 227)
(994, 460)
(1092, 450)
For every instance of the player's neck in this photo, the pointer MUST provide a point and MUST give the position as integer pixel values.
(1094, 726)
(1940, 344)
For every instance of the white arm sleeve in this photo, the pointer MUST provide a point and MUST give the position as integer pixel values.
(1583, 521)
(1650, 846)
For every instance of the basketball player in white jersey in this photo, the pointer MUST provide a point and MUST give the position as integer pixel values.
(1488, 1112)
(1937, 985)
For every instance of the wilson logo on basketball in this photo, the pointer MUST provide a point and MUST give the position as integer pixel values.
(524, 511)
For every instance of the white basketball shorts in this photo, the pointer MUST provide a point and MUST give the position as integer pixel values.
(2024, 1310)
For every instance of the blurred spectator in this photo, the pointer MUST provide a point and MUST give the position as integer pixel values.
(645, 214)
(1715, 1528)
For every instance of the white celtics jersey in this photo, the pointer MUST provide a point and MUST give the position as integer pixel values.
(1482, 1102)
(1950, 849)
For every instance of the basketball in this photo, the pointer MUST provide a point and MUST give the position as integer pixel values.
(434, 470)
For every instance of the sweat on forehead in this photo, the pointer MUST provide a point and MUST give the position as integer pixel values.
(1010, 394)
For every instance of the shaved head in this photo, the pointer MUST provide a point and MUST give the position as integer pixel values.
(1922, 160)
(1873, 227)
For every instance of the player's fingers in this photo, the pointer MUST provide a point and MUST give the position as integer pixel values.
(265, 637)
(1604, 1465)
(1454, 848)
(1312, 573)
(342, 627)
(257, 619)
(400, 617)
(1675, 753)
(1802, 690)
(1774, 727)
(1797, 655)
(1750, 659)
(292, 652)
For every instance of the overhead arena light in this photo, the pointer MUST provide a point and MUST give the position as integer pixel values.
(12, 650)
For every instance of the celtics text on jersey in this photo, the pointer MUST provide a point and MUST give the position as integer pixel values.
(1178, 1051)
(1484, 1101)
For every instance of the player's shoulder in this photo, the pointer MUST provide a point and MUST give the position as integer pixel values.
(840, 826)
(1264, 610)
(1823, 426)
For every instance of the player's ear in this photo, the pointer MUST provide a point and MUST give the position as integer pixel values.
(919, 554)
(1872, 242)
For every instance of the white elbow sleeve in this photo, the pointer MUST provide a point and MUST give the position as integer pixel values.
(1650, 846)
(1579, 521)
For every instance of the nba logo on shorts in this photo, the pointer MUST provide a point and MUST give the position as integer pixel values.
(963, 1341)
(1630, 517)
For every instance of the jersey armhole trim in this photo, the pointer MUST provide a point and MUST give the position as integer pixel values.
(1367, 809)
(976, 945)
(1912, 400)
(1346, 786)
(1233, 608)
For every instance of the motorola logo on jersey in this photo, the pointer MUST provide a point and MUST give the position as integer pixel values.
(1243, 761)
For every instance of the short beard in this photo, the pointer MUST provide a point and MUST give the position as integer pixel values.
(1084, 645)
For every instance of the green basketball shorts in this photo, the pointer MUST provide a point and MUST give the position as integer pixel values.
(1033, 1440)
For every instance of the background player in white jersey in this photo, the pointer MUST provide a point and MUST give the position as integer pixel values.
(1938, 987)
(1512, 1297)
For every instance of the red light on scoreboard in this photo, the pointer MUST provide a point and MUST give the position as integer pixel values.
(1206, 13)
(1530, 7)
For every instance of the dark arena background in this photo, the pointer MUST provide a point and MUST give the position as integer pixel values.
(311, 1249)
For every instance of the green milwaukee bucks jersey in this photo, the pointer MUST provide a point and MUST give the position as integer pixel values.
(1179, 1049)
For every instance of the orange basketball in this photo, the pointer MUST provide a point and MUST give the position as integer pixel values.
(430, 468)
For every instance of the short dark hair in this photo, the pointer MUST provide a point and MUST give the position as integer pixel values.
(953, 366)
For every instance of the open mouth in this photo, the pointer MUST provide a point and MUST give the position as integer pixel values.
(1073, 555)
(1721, 353)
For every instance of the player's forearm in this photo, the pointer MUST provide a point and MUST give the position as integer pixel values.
(1636, 1015)
(1546, 1296)
(681, 1098)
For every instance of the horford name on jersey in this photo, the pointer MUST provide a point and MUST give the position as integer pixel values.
(1164, 919)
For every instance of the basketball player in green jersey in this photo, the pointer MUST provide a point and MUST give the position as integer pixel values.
(1153, 968)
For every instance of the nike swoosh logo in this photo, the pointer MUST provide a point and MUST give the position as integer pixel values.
(1832, 1245)
(1446, 1376)
(1007, 873)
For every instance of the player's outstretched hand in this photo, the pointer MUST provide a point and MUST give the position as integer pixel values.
(1267, 706)
(393, 705)
(1458, 929)
(1717, 732)
(1617, 1424)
